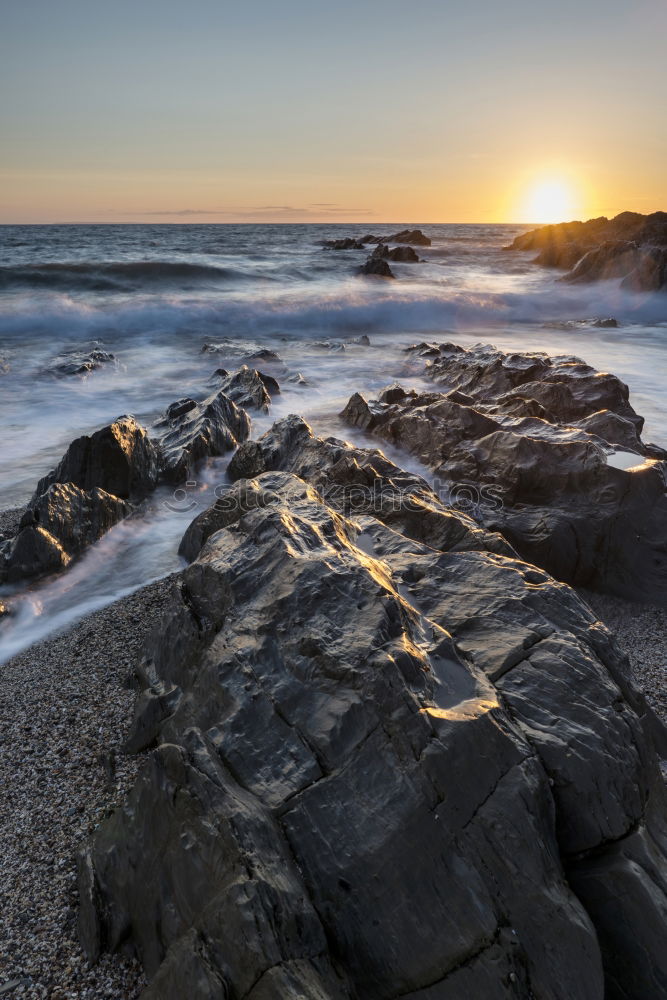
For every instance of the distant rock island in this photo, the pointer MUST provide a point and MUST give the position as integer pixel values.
(630, 246)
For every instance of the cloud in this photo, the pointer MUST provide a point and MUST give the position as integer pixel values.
(251, 212)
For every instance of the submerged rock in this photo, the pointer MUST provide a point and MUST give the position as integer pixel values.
(379, 769)
(211, 428)
(540, 433)
(80, 363)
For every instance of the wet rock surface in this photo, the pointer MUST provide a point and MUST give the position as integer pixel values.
(210, 428)
(381, 768)
(630, 246)
(401, 254)
(540, 436)
(377, 267)
(249, 389)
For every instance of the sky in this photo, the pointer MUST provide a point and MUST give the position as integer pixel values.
(374, 110)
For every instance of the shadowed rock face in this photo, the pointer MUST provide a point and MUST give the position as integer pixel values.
(401, 254)
(372, 777)
(537, 432)
(60, 524)
(246, 387)
(377, 266)
(81, 499)
(630, 246)
(119, 458)
(101, 476)
(212, 427)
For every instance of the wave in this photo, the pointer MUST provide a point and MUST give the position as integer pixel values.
(96, 276)
(348, 306)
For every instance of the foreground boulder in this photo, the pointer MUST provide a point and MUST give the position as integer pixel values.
(541, 436)
(189, 434)
(379, 769)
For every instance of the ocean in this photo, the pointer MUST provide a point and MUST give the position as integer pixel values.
(154, 295)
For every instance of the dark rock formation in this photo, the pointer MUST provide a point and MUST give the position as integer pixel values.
(347, 243)
(211, 428)
(377, 267)
(80, 363)
(380, 768)
(540, 433)
(120, 459)
(412, 236)
(353, 481)
(58, 525)
(247, 388)
(402, 255)
(608, 323)
(630, 246)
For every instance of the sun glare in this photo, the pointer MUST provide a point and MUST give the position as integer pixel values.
(549, 201)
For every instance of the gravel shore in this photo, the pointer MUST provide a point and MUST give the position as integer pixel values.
(65, 706)
(641, 630)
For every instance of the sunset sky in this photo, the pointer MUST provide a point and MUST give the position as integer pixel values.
(373, 110)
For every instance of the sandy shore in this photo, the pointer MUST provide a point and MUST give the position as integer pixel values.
(65, 706)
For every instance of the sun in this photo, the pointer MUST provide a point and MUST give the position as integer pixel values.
(550, 200)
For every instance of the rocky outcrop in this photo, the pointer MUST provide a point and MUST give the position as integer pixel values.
(379, 769)
(120, 459)
(630, 246)
(58, 525)
(210, 428)
(377, 267)
(415, 237)
(80, 363)
(248, 388)
(402, 255)
(102, 476)
(347, 243)
(540, 435)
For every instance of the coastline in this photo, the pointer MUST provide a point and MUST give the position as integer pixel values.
(66, 704)
(56, 796)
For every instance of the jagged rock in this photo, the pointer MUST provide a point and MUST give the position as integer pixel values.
(347, 243)
(247, 388)
(57, 526)
(413, 236)
(380, 769)
(180, 407)
(120, 459)
(267, 358)
(403, 255)
(211, 428)
(271, 384)
(377, 267)
(539, 433)
(605, 324)
(353, 481)
(80, 363)
(630, 246)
